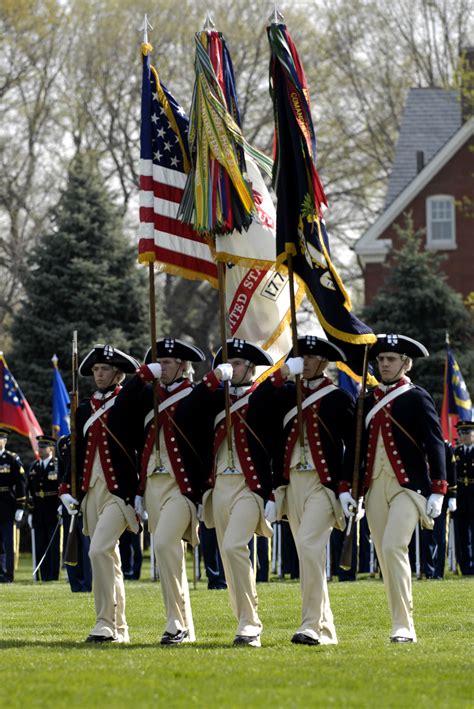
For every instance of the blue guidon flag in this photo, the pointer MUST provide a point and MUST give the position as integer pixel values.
(457, 404)
(301, 230)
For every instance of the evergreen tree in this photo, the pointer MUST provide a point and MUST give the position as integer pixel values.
(84, 276)
(415, 300)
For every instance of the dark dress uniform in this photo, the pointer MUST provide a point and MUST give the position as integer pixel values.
(433, 541)
(12, 498)
(42, 490)
(80, 575)
(464, 515)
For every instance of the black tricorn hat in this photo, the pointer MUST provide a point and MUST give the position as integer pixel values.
(465, 426)
(46, 441)
(169, 347)
(398, 343)
(246, 350)
(107, 354)
(312, 345)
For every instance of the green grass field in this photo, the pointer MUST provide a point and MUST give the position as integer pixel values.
(44, 661)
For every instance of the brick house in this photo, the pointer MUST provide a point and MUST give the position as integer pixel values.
(433, 171)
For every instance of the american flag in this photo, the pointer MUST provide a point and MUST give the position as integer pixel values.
(15, 412)
(164, 163)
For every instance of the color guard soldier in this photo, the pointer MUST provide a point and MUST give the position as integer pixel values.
(240, 480)
(171, 480)
(306, 482)
(464, 516)
(403, 460)
(12, 502)
(43, 501)
(108, 482)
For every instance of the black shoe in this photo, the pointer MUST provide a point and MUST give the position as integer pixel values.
(400, 639)
(303, 639)
(100, 639)
(249, 640)
(176, 639)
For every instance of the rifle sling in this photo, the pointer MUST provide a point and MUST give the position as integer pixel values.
(252, 432)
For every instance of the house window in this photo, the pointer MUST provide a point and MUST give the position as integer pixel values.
(441, 222)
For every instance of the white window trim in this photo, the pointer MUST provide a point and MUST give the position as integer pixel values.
(440, 245)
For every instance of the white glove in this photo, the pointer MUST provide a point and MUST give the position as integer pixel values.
(270, 512)
(140, 508)
(226, 371)
(60, 511)
(295, 365)
(70, 503)
(434, 505)
(452, 504)
(155, 369)
(348, 501)
(199, 512)
(30, 521)
(18, 515)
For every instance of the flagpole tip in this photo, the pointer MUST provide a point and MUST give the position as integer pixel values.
(276, 17)
(209, 24)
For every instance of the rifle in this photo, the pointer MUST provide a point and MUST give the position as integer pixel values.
(346, 553)
(70, 554)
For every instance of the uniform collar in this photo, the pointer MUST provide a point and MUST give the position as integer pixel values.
(313, 383)
(46, 461)
(241, 390)
(104, 394)
(392, 385)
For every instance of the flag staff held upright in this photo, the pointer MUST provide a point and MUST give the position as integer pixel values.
(71, 551)
(151, 289)
(275, 19)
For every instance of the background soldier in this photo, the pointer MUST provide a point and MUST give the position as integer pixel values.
(108, 481)
(306, 481)
(80, 575)
(12, 502)
(43, 501)
(464, 516)
(433, 542)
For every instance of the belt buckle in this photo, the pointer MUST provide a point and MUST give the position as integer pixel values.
(41, 493)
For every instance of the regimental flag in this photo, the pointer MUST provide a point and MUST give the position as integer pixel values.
(348, 383)
(61, 402)
(15, 411)
(218, 197)
(457, 405)
(164, 162)
(301, 230)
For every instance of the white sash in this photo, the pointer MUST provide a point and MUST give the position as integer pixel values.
(308, 401)
(384, 401)
(167, 402)
(97, 414)
(235, 407)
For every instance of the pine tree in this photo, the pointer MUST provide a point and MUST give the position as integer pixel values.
(83, 276)
(415, 300)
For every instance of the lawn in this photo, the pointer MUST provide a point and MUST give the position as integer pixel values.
(45, 663)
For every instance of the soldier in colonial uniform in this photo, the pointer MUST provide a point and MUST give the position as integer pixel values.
(240, 480)
(464, 516)
(306, 480)
(403, 460)
(43, 501)
(108, 482)
(171, 475)
(12, 502)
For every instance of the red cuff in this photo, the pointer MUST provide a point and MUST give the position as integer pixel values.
(440, 487)
(63, 489)
(343, 486)
(145, 374)
(277, 378)
(211, 381)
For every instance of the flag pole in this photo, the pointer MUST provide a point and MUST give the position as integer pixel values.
(225, 355)
(152, 303)
(303, 464)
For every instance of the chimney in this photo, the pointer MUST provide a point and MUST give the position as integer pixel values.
(420, 161)
(466, 65)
